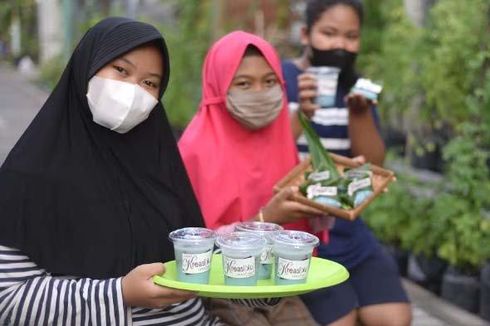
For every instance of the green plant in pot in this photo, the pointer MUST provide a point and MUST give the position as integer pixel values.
(391, 216)
(465, 242)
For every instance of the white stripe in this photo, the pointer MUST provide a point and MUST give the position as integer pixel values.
(61, 308)
(54, 294)
(85, 296)
(78, 305)
(4, 248)
(93, 307)
(27, 300)
(6, 300)
(331, 117)
(27, 275)
(17, 299)
(329, 143)
(68, 304)
(18, 265)
(12, 257)
(46, 290)
(102, 303)
(124, 312)
(110, 299)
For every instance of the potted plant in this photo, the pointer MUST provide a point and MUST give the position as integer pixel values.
(459, 211)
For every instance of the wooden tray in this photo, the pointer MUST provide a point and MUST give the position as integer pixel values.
(380, 180)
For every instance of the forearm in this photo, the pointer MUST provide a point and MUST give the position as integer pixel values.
(365, 138)
(295, 125)
(28, 295)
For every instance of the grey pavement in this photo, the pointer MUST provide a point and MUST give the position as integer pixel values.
(20, 100)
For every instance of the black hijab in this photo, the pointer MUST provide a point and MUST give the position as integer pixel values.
(82, 200)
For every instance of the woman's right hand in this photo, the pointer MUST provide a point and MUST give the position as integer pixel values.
(307, 92)
(283, 209)
(139, 290)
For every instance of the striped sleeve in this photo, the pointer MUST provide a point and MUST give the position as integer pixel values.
(30, 296)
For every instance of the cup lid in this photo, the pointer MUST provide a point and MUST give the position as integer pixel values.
(323, 69)
(241, 241)
(192, 234)
(262, 228)
(297, 239)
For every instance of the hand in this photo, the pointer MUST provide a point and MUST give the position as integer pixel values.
(283, 209)
(360, 160)
(357, 103)
(140, 291)
(307, 92)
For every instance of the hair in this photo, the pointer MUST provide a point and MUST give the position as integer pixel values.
(315, 8)
(252, 50)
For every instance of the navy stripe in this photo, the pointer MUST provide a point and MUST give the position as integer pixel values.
(82, 302)
(114, 301)
(12, 295)
(21, 302)
(106, 302)
(73, 303)
(41, 305)
(66, 300)
(49, 286)
(57, 301)
(97, 304)
(31, 302)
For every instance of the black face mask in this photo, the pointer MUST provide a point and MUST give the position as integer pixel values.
(339, 58)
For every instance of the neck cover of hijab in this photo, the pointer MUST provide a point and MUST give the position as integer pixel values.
(82, 200)
(233, 169)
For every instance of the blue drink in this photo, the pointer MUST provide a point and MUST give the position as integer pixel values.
(241, 257)
(327, 78)
(266, 230)
(193, 249)
(293, 254)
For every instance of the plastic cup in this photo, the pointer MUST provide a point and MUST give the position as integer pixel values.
(327, 79)
(293, 251)
(265, 230)
(241, 253)
(193, 248)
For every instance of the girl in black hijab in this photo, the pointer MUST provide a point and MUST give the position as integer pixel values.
(91, 190)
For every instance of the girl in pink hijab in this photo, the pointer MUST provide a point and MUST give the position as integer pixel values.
(239, 144)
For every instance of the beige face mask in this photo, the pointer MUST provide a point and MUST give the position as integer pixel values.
(255, 110)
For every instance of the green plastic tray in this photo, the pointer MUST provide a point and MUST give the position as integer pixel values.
(323, 273)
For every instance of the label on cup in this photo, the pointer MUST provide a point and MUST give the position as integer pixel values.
(266, 257)
(239, 267)
(196, 263)
(292, 269)
(358, 184)
(319, 190)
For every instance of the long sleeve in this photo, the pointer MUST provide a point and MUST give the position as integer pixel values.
(30, 296)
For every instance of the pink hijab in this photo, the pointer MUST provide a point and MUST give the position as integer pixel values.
(233, 169)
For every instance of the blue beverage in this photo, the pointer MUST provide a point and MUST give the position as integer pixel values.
(265, 230)
(293, 251)
(193, 249)
(326, 79)
(241, 257)
(241, 271)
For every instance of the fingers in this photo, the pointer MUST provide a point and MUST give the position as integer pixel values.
(360, 159)
(147, 271)
(307, 87)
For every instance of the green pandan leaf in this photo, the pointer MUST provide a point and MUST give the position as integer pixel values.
(320, 159)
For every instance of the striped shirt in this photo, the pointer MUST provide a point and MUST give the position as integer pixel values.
(350, 242)
(31, 296)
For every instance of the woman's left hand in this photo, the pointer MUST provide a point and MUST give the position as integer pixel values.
(357, 103)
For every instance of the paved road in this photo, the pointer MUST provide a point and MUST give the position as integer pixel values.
(20, 100)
